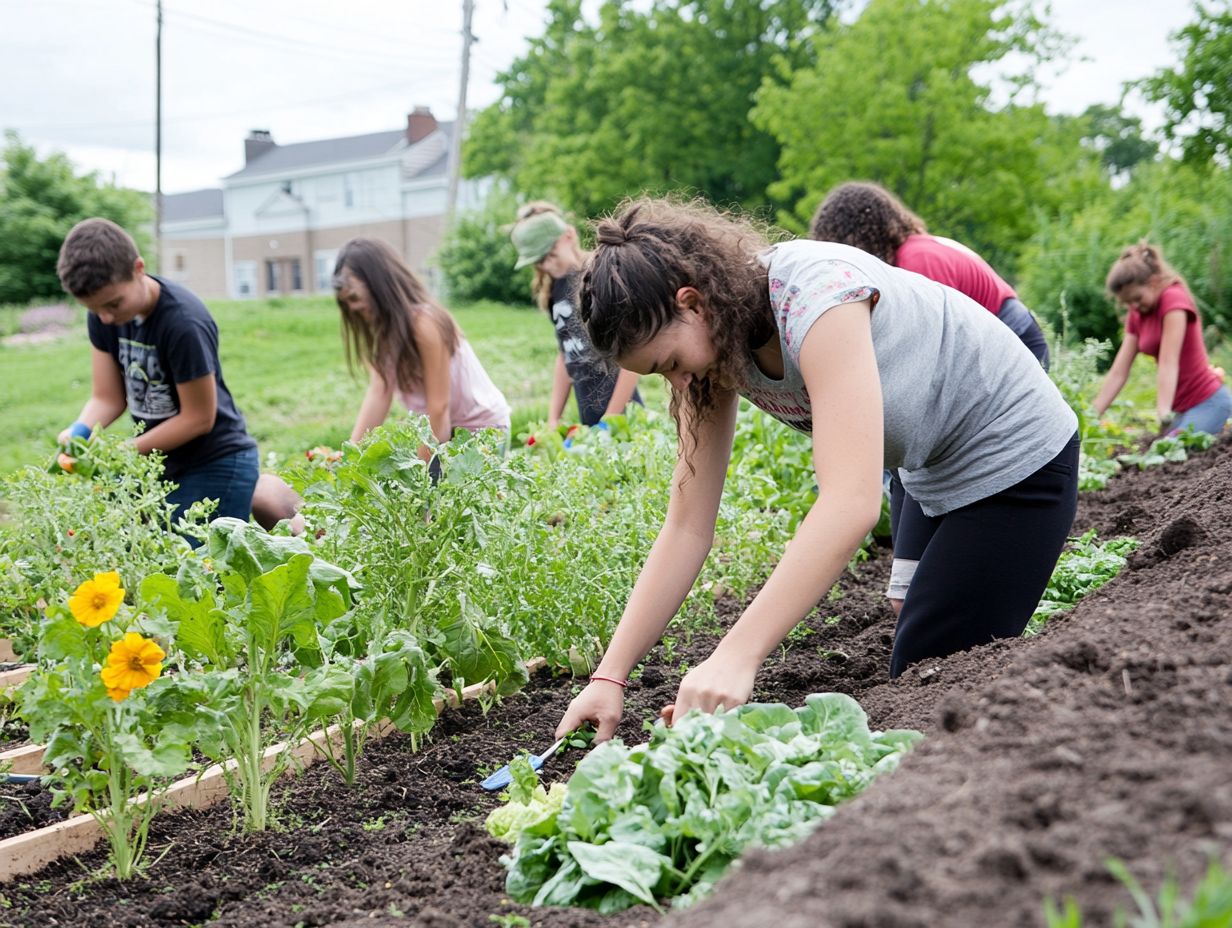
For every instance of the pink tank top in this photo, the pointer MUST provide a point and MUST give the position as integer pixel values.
(474, 401)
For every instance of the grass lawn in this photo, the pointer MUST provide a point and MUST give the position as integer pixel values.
(284, 363)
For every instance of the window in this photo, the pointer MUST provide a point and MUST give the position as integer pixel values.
(297, 278)
(272, 284)
(348, 190)
(179, 261)
(244, 275)
(323, 270)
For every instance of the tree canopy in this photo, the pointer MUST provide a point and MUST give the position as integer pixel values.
(904, 96)
(1197, 92)
(40, 200)
(643, 101)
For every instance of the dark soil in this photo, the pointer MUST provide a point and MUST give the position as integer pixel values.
(1110, 734)
(406, 845)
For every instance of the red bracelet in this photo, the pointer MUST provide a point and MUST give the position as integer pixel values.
(623, 684)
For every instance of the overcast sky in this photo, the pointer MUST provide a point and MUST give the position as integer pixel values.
(78, 75)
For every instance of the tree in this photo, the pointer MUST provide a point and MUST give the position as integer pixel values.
(893, 98)
(1118, 138)
(1197, 95)
(40, 200)
(642, 100)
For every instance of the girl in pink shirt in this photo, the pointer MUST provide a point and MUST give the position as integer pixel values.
(1163, 323)
(411, 345)
(869, 217)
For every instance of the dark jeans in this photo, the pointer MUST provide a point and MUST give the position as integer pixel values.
(229, 479)
(982, 568)
(1020, 321)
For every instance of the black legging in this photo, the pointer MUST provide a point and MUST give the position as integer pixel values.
(982, 568)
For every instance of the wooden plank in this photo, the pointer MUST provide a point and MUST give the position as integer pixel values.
(26, 759)
(15, 677)
(7, 654)
(29, 852)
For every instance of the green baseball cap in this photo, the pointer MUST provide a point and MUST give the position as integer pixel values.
(534, 237)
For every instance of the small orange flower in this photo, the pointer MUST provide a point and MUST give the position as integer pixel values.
(134, 662)
(97, 600)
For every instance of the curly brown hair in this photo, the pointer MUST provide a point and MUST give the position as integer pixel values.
(650, 249)
(866, 216)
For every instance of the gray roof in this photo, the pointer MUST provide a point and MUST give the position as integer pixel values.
(196, 204)
(327, 151)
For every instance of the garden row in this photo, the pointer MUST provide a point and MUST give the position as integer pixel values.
(405, 844)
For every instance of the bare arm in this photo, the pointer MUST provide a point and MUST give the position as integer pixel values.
(375, 407)
(107, 401)
(672, 566)
(198, 409)
(840, 372)
(561, 385)
(1117, 374)
(626, 383)
(1170, 343)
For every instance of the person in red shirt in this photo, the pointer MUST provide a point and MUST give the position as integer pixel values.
(1163, 323)
(869, 217)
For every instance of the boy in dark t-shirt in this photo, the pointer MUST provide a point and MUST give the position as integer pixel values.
(155, 352)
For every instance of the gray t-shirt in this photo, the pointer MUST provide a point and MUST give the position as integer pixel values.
(968, 410)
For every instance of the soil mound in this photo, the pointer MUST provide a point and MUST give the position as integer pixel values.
(1109, 735)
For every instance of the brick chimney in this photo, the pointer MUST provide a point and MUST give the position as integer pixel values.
(259, 141)
(420, 123)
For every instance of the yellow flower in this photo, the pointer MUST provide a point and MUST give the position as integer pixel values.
(134, 662)
(97, 600)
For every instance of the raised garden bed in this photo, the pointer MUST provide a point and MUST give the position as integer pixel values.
(1111, 733)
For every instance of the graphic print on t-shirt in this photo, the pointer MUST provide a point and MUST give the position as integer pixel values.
(145, 384)
(573, 347)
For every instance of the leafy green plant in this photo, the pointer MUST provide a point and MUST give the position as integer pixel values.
(114, 726)
(58, 527)
(1170, 448)
(1083, 567)
(256, 632)
(1210, 907)
(667, 818)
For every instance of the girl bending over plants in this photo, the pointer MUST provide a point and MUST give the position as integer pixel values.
(1163, 323)
(876, 364)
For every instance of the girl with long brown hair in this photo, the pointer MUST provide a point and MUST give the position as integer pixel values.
(548, 243)
(1163, 323)
(411, 346)
(884, 368)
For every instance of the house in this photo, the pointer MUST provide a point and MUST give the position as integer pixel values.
(276, 224)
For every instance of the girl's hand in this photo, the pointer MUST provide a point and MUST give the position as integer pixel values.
(717, 681)
(601, 703)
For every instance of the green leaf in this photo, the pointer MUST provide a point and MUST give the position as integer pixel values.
(199, 625)
(632, 867)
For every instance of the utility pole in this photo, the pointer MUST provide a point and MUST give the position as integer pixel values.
(455, 141)
(158, 140)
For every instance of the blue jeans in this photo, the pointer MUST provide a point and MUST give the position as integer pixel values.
(229, 479)
(1208, 416)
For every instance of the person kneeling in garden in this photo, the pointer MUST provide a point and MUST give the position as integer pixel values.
(884, 368)
(155, 352)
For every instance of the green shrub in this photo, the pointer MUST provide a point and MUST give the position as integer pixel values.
(477, 257)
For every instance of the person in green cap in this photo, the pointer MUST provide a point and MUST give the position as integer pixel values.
(547, 242)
